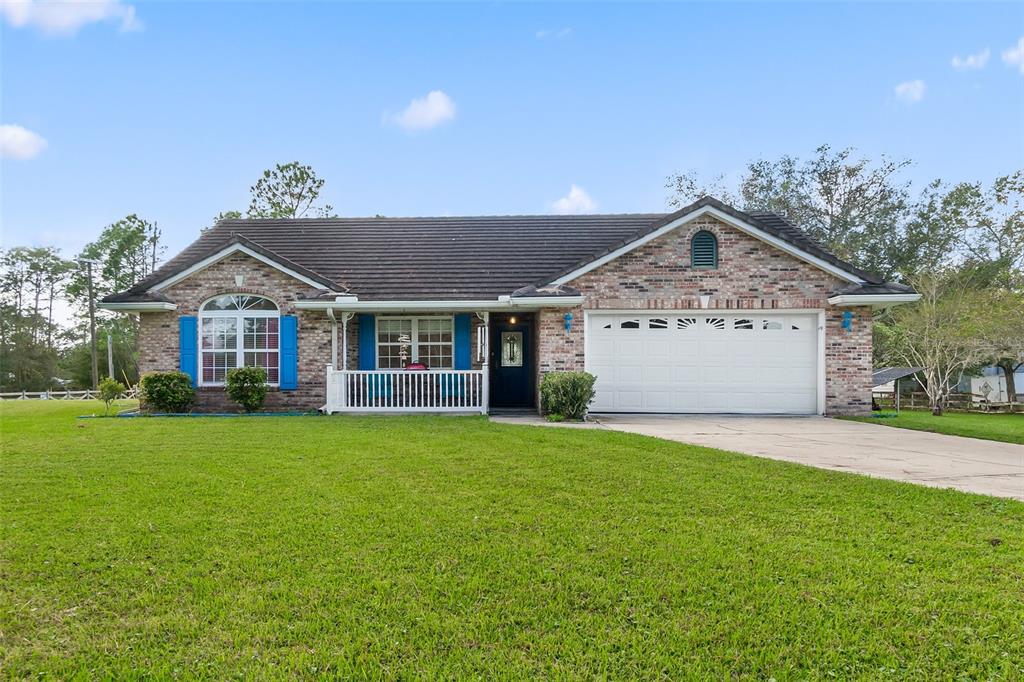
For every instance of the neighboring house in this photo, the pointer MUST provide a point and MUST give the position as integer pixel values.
(707, 310)
(991, 385)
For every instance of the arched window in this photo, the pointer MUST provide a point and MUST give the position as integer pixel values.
(238, 330)
(704, 251)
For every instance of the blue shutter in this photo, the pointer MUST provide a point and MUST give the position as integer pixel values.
(188, 361)
(367, 341)
(289, 371)
(463, 351)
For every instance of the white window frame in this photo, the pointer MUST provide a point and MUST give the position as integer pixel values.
(415, 342)
(240, 349)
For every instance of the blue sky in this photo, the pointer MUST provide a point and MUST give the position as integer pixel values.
(172, 110)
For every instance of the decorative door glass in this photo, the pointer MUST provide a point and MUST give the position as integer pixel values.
(511, 349)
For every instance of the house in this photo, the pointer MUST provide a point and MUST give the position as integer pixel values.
(707, 309)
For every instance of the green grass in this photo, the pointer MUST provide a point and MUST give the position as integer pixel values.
(1008, 428)
(452, 547)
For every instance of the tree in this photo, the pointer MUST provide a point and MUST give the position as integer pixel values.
(997, 230)
(857, 208)
(288, 191)
(31, 280)
(947, 332)
(1007, 336)
(128, 251)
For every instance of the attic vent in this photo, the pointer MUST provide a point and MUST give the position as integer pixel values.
(704, 250)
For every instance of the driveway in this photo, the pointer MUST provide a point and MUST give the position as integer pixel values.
(968, 464)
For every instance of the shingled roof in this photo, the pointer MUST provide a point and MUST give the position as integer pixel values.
(446, 258)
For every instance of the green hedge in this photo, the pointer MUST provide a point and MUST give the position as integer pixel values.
(166, 392)
(566, 395)
(247, 386)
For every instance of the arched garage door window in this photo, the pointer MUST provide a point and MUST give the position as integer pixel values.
(238, 330)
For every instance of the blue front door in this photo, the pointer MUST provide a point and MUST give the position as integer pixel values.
(512, 373)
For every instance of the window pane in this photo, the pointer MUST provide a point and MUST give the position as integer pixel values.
(268, 361)
(216, 365)
(390, 357)
(436, 355)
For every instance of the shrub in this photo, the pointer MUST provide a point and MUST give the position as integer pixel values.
(110, 389)
(247, 386)
(567, 394)
(167, 391)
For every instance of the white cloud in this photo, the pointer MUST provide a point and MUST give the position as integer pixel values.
(576, 201)
(65, 17)
(424, 113)
(555, 34)
(910, 91)
(1014, 55)
(19, 143)
(972, 62)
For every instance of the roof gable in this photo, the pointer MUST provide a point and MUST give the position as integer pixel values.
(776, 232)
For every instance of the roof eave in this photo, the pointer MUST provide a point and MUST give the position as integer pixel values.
(438, 305)
(137, 306)
(874, 300)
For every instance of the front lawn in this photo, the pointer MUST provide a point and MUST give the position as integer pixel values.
(427, 547)
(1008, 428)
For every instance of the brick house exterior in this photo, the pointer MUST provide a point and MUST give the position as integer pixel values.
(648, 271)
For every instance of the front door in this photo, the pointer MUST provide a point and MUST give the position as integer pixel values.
(512, 361)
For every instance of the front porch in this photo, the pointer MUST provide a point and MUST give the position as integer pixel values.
(430, 360)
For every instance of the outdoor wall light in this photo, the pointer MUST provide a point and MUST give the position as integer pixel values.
(568, 322)
(847, 320)
(512, 320)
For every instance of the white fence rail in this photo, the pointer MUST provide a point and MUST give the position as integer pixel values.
(62, 395)
(406, 391)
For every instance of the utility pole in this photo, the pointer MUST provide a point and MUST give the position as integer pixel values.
(89, 262)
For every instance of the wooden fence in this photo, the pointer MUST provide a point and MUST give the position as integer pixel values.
(87, 394)
(957, 402)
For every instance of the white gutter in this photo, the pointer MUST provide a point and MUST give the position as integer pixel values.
(139, 307)
(503, 302)
(879, 300)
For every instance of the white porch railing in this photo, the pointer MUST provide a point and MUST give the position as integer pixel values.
(396, 390)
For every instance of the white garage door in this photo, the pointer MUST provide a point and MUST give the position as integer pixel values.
(756, 363)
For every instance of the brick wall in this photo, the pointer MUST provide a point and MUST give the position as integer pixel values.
(750, 275)
(158, 332)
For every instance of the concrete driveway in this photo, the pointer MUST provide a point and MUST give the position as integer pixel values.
(968, 464)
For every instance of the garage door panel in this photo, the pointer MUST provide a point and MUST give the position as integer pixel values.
(704, 362)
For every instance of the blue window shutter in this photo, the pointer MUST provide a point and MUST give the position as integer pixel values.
(367, 341)
(463, 351)
(188, 333)
(289, 372)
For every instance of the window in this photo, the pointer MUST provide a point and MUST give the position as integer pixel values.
(657, 323)
(743, 323)
(629, 324)
(238, 330)
(714, 322)
(771, 325)
(403, 340)
(686, 322)
(704, 251)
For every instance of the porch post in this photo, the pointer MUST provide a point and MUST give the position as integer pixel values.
(345, 317)
(485, 393)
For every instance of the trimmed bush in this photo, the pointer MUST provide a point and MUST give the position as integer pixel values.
(110, 389)
(247, 386)
(566, 394)
(167, 391)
